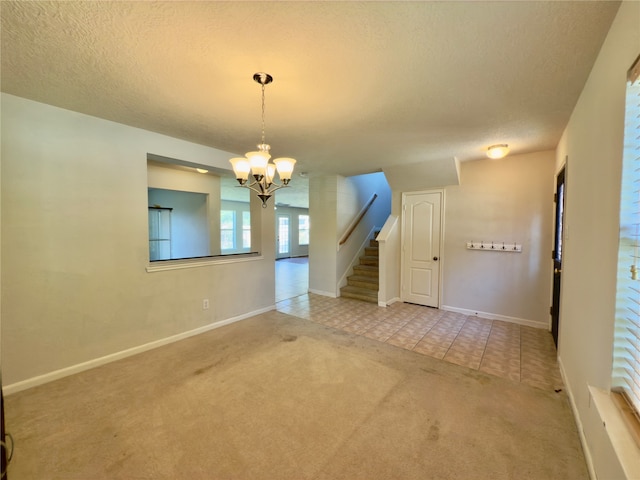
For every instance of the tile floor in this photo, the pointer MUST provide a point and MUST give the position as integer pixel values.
(292, 277)
(519, 353)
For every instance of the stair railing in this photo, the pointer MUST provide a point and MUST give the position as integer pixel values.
(357, 220)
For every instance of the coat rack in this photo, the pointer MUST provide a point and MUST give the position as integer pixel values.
(495, 246)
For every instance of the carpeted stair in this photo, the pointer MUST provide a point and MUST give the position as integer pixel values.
(363, 283)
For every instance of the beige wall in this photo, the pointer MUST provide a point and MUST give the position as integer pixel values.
(593, 142)
(508, 200)
(323, 194)
(75, 245)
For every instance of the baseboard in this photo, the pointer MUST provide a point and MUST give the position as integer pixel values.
(389, 302)
(323, 293)
(495, 316)
(576, 417)
(96, 362)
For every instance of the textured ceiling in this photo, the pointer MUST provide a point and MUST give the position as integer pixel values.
(358, 86)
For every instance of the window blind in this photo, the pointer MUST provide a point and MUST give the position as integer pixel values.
(626, 348)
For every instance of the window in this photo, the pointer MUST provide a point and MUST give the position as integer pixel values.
(227, 229)
(246, 230)
(303, 229)
(235, 227)
(626, 355)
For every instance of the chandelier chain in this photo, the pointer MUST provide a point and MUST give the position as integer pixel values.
(262, 142)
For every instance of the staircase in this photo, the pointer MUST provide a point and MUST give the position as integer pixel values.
(363, 284)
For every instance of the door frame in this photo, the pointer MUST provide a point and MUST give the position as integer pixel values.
(559, 229)
(441, 191)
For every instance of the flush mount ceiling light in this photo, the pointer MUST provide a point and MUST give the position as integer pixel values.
(201, 170)
(498, 151)
(257, 163)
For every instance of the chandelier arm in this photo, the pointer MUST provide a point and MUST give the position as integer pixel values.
(263, 190)
(251, 186)
(275, 186)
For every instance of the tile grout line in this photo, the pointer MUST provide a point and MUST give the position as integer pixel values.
(457, 334)
(440, 314)
(484, 350)
(520, 343)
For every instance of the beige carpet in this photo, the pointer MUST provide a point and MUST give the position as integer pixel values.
(276, 397)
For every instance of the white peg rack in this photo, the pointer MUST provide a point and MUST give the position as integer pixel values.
(495, 246)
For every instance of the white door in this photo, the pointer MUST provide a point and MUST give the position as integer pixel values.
(421, 248)
(283, 236)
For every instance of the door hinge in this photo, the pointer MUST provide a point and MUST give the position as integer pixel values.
(551, 310)
(555, 198)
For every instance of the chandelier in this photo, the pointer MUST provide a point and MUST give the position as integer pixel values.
(257, 163)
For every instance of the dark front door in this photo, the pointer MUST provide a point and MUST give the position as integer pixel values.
(557, 255)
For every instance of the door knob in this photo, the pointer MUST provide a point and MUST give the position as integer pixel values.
(435, 259)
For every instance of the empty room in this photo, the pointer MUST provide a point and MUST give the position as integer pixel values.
(320, 240)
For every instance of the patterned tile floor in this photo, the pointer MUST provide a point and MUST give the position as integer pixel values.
(519, 353)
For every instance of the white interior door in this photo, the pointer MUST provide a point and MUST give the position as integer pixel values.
(421, 227)
(283, 236)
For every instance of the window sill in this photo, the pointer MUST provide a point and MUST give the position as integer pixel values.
(619, 433)
(165, 265)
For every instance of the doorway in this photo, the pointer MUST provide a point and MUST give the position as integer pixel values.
(420, 262)
(557, 253)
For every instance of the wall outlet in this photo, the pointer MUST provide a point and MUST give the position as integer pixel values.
(205, 304)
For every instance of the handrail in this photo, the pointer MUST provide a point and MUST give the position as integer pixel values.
(357, 220)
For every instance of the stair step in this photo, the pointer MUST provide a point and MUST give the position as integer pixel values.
(369, 260)
(366, 270)
(359, 294)
(371, 251)
(373, 243)
(363, 281)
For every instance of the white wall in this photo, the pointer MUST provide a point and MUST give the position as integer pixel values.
(593, 143)
(389, 246)
(508, 200)
(75, 245)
